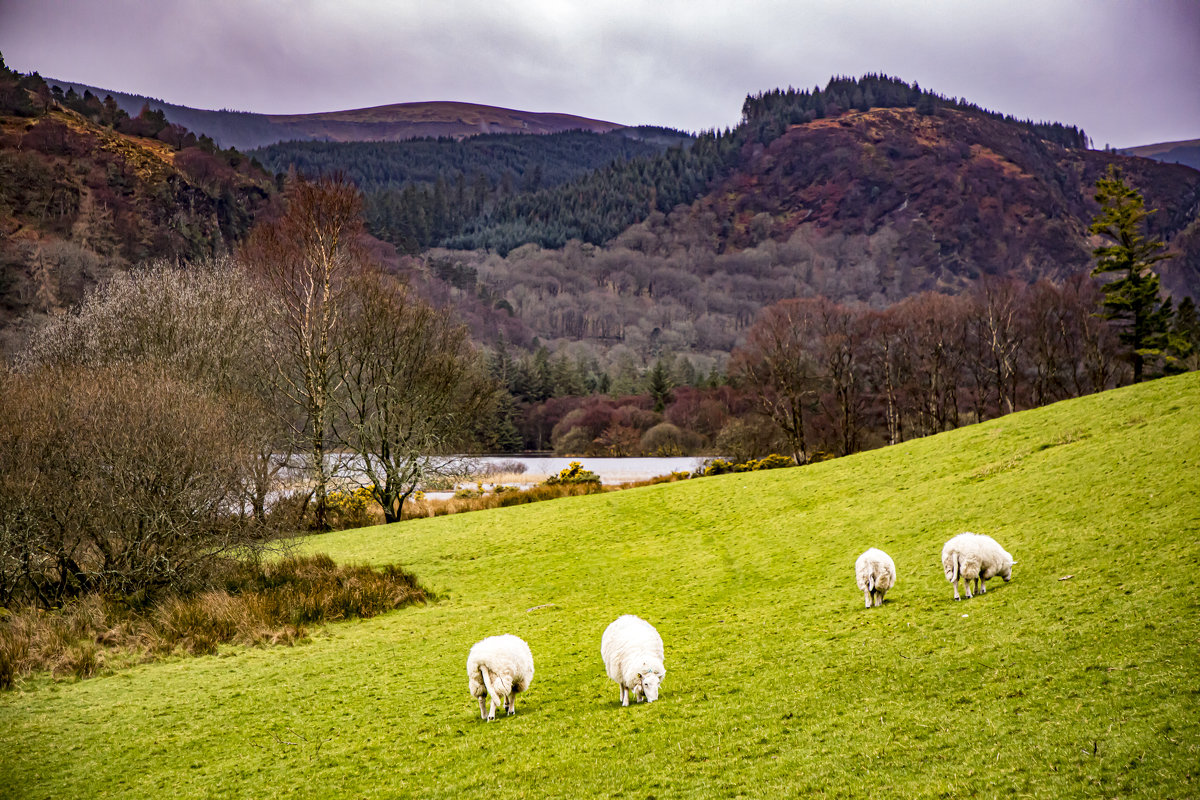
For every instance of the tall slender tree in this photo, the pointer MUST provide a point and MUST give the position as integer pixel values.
(306, 258)
(1134, 298)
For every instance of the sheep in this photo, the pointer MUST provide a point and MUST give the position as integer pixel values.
(876, 573)
(633, 657)
(975, 557)
(498, 667)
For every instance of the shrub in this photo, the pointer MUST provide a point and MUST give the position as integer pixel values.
(721, 466)
(716, 466)
(665, 439)
(355, 508)
(116, 480)
(572, 473)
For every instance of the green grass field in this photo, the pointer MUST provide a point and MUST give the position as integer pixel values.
(779, 682)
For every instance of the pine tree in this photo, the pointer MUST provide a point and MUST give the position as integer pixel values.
(659, 384)
(1183, 348)
(1133, 299)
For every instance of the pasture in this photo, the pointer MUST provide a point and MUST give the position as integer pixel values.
(1080, 678)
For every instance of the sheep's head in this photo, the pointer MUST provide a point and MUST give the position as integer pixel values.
(1006, 570)
(651, 679)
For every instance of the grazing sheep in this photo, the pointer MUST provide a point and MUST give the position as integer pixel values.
(876, 573)
(975, 557)
(633, 657)
(498, 667)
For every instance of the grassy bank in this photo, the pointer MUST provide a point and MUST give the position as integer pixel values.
(778, 681)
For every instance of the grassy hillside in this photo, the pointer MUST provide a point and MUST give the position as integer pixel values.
(779, 682)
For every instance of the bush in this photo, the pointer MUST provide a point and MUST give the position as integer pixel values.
(573, 473)
(716, 466)
(355, 508)
(720, 466)
(115, 480)
(665, 439)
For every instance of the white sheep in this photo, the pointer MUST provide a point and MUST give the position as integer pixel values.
(633, 657)
(876, 573)
(498, 667)
(975, 557)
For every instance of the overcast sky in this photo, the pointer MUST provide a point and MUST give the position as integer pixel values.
(1127, 72)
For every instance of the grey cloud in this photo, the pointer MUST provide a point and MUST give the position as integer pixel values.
(1125, 72)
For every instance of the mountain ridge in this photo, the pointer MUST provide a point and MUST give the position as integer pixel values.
(247, 130)
(1185, 151)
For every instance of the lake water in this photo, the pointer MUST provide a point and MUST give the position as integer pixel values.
(610, 470)
(538, 468)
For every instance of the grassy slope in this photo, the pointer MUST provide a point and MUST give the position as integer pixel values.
(778, 681)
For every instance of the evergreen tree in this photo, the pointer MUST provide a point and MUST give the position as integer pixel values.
(1133, 298)
(1183, 347)
(659, 384)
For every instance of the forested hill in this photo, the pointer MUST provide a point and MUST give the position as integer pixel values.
(600, 205)
(863, 207)
(423, 191)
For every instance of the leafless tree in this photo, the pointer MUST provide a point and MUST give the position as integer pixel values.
(412, 388)
(995, 315)
(842, 357)
(778, 364)
(307, 257)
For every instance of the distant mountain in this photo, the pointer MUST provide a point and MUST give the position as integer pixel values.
(1185, 152)
(390, 123)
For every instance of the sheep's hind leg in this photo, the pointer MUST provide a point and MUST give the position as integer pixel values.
(878, 599)
(955, 584)
(868, 596)
(512, 704)
(491, 710)
(624, 696)
(482, 710)
(982, 585)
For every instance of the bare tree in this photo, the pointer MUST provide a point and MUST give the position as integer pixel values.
(778, 364)
(413, 389)
(995, 309)
(934, 326)
(841, 337)
(306, 257)
(889, 366)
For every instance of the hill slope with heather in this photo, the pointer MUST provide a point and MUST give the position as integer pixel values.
(945, 197)
(1076, 679)
(86, 191)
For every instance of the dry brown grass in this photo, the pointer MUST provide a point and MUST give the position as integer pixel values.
(255, 604)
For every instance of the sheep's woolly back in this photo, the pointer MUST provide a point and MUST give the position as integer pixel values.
(508, 660)
(875, 571)
(628, 645)
(974, 555)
